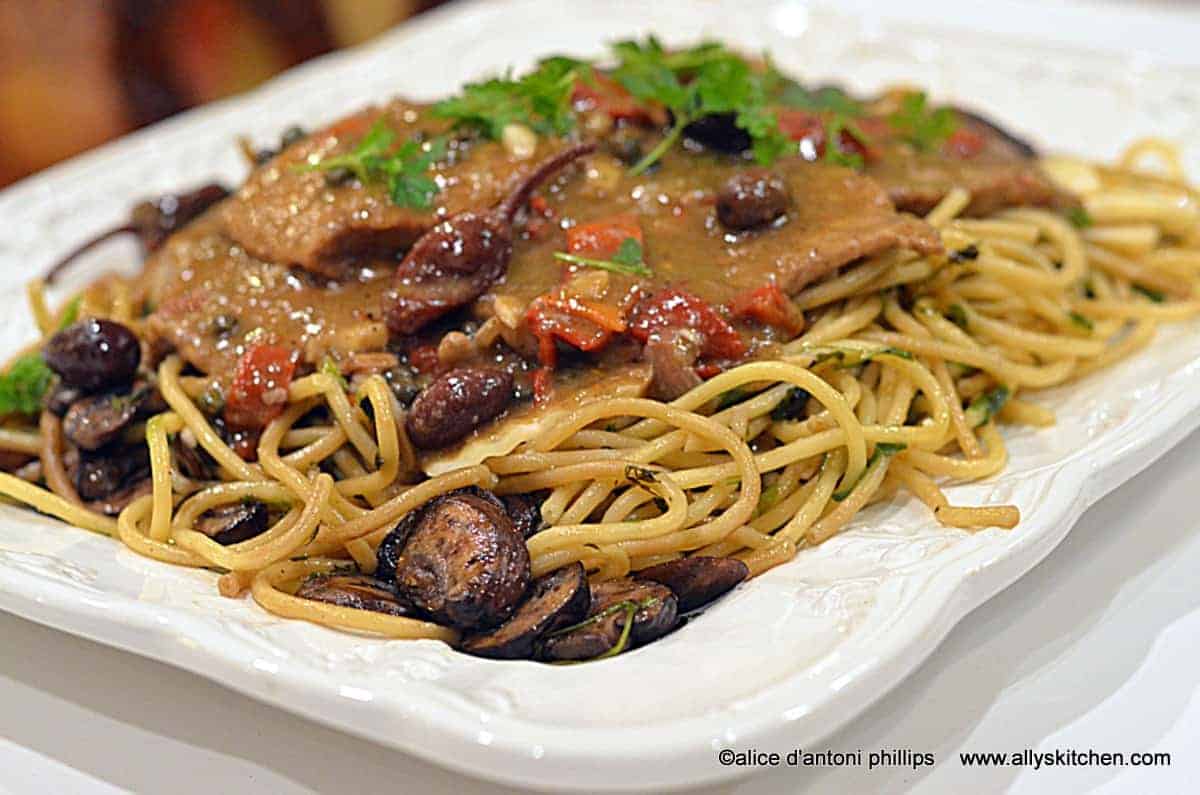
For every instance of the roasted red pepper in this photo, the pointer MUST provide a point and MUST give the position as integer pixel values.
(802, 125)
(768, 305)
(674, 308)
(603, 94)
(260, 387)
(583, 324)
(965, 143)
(601, 239)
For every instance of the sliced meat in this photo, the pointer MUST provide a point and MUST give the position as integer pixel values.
(211, 299)
(697, 580)
(555, 600)
(353, 590)
(293, 216)
(459, 560)
(997, 168)
(654, 609)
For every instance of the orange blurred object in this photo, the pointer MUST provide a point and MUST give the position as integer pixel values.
(76, 73)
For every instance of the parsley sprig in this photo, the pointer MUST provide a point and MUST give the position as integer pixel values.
(541, 100)
(376, 159)
(693, 83)
(921, 125)
(628, 259)
(24, 384)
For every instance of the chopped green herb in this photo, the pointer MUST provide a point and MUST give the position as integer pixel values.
(72, 313)
(24, 385)
(705, 80)
(985, 406)
(640, 475)
(792, 406)
(1155, 296)
(923, 126)
(629, 607)
(330, 367)
(827, 98)
(627, 260)
(883, 450)
(374, 159)
(768, 499)
(1080, 218)
(732, 398)
(540, 100)
(851, 357)
(957, 315)
(1081, 321)
(834, 153)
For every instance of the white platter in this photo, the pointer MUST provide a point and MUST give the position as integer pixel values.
(786, 659)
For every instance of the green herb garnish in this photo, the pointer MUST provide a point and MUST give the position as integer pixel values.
(1155, 296)
(24, 385)
(627, 260)
(732, 397)
(792, 406)
(540, 100)
(834, 153)
(72, 313)
(957, 315)
(985, 406)
(1080, 218)
(330, 368)
(705, 80)
(374, 159)
(924, 127)
(1081, 321)
(883, 450)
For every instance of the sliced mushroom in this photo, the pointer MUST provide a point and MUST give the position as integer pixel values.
(192, 461)
(231, 524)
(60, 397)
(458, 559)
(99, 420)
(525, 512)
(653, 607)
(556, 600)
(99, 476)
(696, 581)
(353, 590)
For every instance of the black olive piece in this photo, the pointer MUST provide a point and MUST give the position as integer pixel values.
(102, 474)
(719, 131)
(752, 199)
(152, 222)
(353, 590)
(555, 600)
(98, 420)
(459, 560)
(293, 134)
(698, 580)
(457, 403)
(655, 613)
(94, 354)
(458, 259)
(339, 175)
(232, 524)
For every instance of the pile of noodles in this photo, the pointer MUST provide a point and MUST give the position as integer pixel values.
(908, 367)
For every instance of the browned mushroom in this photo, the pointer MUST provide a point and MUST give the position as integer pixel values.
(353, 590)
(696, 581)
(99, 420)
(556, 600)
(457, 260)
(458, 559)
(651, 608)
(231, 524)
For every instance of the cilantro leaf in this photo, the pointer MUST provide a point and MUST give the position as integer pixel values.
(24, 385)
(924, 127)
(1080, 218)
(627, 260)
(402, 170)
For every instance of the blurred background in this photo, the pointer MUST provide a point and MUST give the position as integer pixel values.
(76, 73)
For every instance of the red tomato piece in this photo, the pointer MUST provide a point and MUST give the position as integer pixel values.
(586, 325)
(424, 359)
(801, 125)
(673, 308)
(601, 239)
(768, 305)
(543, 385)
(260, 387)
(607, 96)
(965, 143)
